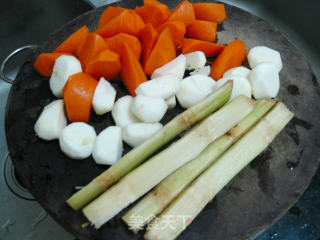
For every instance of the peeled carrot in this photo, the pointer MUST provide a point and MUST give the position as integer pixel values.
(93, 45)
(232, 56)
(132, 73)
(121, 38)
(45, 62)
(149, 38)
(151, 2)
(177, 30)
(210, 49)
(108, 14)
(162, 53)
(154, 13)
(202, 30)
(183, 12)
(71, 44)
(125, 22)
(213, 12)
(78, 94)
(106, 64)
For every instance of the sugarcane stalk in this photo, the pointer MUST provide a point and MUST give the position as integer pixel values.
(149, 174)
(156, 200)
(194, 198)
(141, 153)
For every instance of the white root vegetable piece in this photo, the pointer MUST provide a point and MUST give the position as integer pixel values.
(77, 140)
(51, 121)
(171, 102)
(175, 67)
(64, 67)
(193, 89)
(121, 112)
(136, 133)
(108, 146)
(161, 87)
(148, 109)
(263, 54)
(265, 82)
(241, 86)
(237, 72)
(201, 71)
(195, 60)
(103, 98)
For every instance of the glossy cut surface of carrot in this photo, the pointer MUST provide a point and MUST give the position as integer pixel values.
(133, 42)
(177, 30)
(45, 62)
(108, 14)
(183, 12)
(210, 49)
(125, 22)
(132, 73)
(106, 64)
(156, 14)
(72, 43)
(78, 94)
(202, 30)
(162, 53)
(232, 56)
(213, 12)
(149, 38)
(93, 45)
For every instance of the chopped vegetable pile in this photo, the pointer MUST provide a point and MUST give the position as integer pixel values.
(160, 55)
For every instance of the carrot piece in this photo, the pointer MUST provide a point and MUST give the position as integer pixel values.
(213, 12)
(156, 14)
(71, 44)
(202, 30)
(108, 14)
(126, 22)
(232, 56)
(106, 64)
(132, 73)
(78, 93)
(149, 38)
(45, 62)
(177, 30)
(210, 49)
(151, 2)
(121, 38)
(183, 12)
(93, 45)
(162, 53)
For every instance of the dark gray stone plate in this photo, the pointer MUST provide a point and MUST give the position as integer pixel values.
(259, 195)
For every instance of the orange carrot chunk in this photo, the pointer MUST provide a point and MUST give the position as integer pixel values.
(213, 12)
(126, 22)
(162, 53)
(93, 45)
(121, 38)
(151, 2)
(78, 94)
(156, 14)
(108, 14)
(210, 49)
(149, 38)
(71, 44)
(106, 64)
(183, 12)
(177, 30)
(232, 56)
(202, 30)
(45, 62)
(132, 73)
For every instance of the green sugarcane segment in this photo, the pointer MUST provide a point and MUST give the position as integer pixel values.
(195, 197)
(155, 201)
(141, 153)
(149, 174)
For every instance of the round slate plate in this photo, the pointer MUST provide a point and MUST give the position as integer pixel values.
(255, 198)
